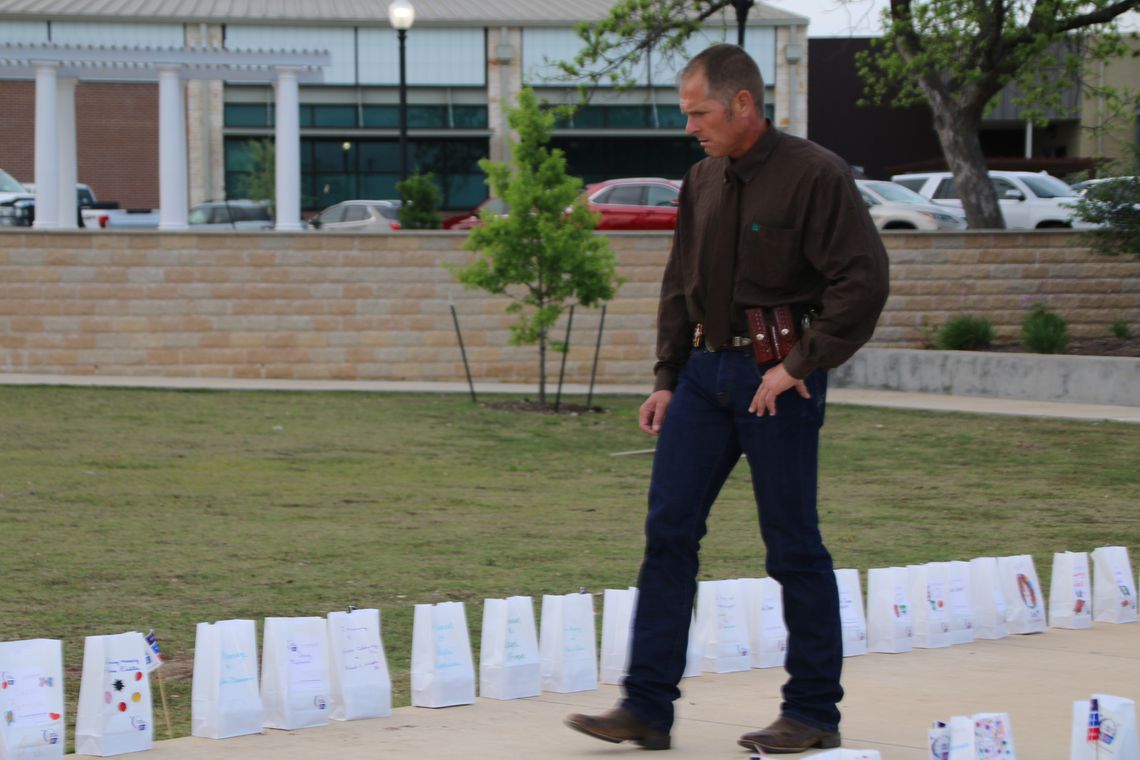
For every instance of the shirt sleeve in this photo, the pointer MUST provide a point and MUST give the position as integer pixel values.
(674, 332)
(844, 246)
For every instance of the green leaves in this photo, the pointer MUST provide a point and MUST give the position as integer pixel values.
(421, 197)
(543, 254)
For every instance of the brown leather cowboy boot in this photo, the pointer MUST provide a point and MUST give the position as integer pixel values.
(619, 725)
(787, 736)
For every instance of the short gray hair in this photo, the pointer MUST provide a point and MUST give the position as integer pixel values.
(729, 70)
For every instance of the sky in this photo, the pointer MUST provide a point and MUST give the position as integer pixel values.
(861, 18)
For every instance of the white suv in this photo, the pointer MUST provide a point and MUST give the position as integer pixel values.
(1028, 200)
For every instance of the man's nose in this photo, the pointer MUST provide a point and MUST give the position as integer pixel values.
(690, 125)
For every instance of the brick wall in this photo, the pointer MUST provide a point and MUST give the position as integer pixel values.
(116, 138)
(315, 305)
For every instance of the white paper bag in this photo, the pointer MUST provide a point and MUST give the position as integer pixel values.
(443, 670)
(31, 700)
(618, 608)
(359, 684)
(722, 627)
(1070, 591)
(764, 611)
(848, 754)
(225, 696)
(982, 735)
(888, 610)
(508, 655)
(114, 715)
(987, 599)
(1024, 597)
(295, 672)
(566, 643)
(1114, 593)
(929, 594)
(1108, 733)
(959, 602)
(851, 615)
(692, 650)
(938, 740)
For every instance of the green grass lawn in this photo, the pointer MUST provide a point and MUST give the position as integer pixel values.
(129, 509)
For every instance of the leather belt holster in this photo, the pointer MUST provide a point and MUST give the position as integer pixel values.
(773, 331)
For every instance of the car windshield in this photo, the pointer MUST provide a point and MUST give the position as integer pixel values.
(8, 184)
(896, 193)
(1044, 186)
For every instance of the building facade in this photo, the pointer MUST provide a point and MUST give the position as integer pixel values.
(465, 66)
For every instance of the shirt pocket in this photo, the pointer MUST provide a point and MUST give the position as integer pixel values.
(772, 257)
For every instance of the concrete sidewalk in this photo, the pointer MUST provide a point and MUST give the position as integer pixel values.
(891, 701)
(575, 393)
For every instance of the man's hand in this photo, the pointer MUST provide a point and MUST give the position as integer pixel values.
(775, 381)
(652, 413)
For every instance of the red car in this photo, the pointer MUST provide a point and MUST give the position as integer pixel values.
(494, 205)
(644, 203)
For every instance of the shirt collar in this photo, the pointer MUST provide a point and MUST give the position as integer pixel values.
(743, 169)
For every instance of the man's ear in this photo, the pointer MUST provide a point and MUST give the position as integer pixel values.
(742, 103)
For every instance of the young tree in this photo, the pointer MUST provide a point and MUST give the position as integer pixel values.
(955, 55)
(544, 252)
(261, 184)
(420, 207)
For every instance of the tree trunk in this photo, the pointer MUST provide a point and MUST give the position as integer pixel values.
(957, 130)
(542, 368)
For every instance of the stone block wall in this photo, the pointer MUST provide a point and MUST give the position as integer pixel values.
(326, 306)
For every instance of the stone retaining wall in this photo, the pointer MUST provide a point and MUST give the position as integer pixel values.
(311, 305)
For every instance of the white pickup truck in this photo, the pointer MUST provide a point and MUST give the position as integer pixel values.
(18, 204)
(216, 215)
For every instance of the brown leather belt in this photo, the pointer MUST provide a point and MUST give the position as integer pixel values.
(735, 343)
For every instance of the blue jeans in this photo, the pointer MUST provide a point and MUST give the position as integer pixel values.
(707, 427)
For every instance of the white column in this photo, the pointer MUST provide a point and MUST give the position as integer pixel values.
(67, 172)
(47, 149)
(287, 137)
(171, 150)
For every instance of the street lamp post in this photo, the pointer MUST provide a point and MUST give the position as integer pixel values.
(401, 14)
(742, 7)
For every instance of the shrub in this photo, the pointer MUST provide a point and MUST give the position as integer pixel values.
(420, 208)
(964, 333)
(1044, 331)
(1120, 329)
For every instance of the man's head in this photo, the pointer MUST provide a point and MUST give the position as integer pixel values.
(722, 94)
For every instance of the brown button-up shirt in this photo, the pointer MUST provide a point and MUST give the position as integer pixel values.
(782, 224)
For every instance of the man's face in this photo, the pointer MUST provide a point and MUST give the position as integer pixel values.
(710, 120)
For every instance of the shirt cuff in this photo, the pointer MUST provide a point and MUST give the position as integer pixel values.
(665, 379)
(797, 364)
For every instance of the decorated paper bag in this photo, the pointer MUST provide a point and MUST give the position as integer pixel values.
(225, 697)
(1104, 728)
(114, 715)
(722, 627)
(938, 739)
(443, 670)
(1024, 598)
(851, 615)
(359, 684)
(31, 700)
(960, 605)
(618, 606)
(566, 643)
(929, 614)
(1114, 594)
(692, 650)
(508, 656)
(987, 599)
(764, 610)
(848, 754)
(1070, 593)
(295, 672)
(987, 736)
(888, 610)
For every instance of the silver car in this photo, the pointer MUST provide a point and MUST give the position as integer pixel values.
(359, 216)
(894, 207)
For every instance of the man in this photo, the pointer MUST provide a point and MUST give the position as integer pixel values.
(766, 220)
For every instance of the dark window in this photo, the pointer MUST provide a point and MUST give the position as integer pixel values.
(382, 117)
(946, 190)
(355, 213)
(334, 214)
(660, 195)
(248, 115)
(427, 117)
(598, 158)
(469, 117)
(670, 117)
(627, 195)
(334, 116)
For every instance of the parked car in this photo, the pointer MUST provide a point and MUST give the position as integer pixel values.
(359, 216)
(474, 218)
(1028, 200)
(231, 214)
(644, 203)
(18, 203)
(894, 207)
